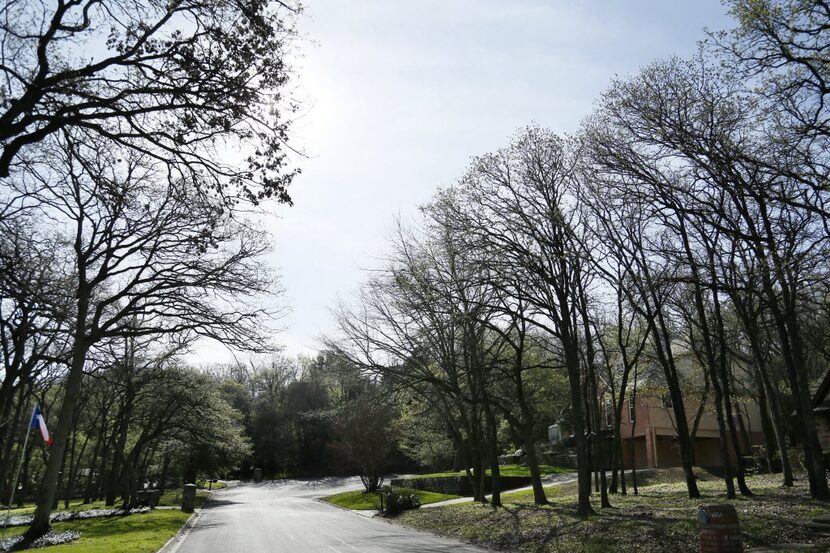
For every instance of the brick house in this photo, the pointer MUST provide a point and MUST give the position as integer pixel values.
(648, 431)
(821, 410)
(654, 440)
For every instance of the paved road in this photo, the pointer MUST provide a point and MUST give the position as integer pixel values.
(284, 517)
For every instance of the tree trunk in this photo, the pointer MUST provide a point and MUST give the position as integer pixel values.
(61, 478)
(662, 342)
(24, 479)
(727, 393)
(89, 492)
(70, 480)
(613, 487)
(539, 496)
(40, 523)
(633, 427)
(750, 324)
(492, 439)
(582, 457)
(600, 455)
(666, 358)
(770, 445)
(7, 465)
(165, 465)
(528, 439)
(619, 454)
(712, 363)
(786, 324)
(103, 474)
(774, 411)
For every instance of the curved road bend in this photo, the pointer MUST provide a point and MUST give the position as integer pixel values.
(283, 517)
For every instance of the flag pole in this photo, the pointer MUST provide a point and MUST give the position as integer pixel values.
(19, 466)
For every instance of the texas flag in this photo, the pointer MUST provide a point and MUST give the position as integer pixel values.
(39, 422)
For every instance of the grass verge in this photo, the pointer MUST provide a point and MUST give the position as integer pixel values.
(205, 484)
(139, 533)
(505, 470)
(173, 498)
(360, 500)
(661, 519)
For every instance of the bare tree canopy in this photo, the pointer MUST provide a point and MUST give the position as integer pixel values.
(184, 82)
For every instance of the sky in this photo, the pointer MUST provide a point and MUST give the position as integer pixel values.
(396, 97)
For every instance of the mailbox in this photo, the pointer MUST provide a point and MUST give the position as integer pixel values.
(719, 529)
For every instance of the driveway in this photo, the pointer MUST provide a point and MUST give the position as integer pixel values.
(275, 517)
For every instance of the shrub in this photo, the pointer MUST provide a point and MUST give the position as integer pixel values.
(753, 464)
(394, 503)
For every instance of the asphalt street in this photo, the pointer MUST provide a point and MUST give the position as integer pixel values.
(276, 517)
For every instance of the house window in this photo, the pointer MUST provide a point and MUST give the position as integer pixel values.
(607, 414)
(631, 406)
(554, 434)
(665, 400)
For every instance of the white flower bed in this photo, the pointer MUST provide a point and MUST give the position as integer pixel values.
(52, 538)
(62, 516)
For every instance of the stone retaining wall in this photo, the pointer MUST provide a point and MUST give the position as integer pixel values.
(459, 485)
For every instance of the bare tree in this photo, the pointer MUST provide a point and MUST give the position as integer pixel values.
(417, 324)
(518, 204)
(783, 45)
(702, 134)
(513, 350)
(151, 256)
(33, 323)
(179, 82)
(626, 223)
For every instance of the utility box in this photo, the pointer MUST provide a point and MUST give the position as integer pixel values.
(719, 530)
(257, 475)
(189, 498)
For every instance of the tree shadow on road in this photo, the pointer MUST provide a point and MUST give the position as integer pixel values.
(213, 503)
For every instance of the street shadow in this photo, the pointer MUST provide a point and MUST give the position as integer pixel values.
(403, 541)
(202, 526)
(213, 503)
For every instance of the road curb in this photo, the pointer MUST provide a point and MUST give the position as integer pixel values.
(174, 542)
(357, 512)
(392, 521)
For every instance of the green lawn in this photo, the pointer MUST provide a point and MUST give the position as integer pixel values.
(504, 470)
(74, 505)
(361, 500)
(661, 519)
(205, 484)
(139, 533)
(173, 498)
(526, 496)
(170, 498)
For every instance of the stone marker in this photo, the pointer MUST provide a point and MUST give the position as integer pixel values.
(257, 475)
(189, 498)
(719, 529)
